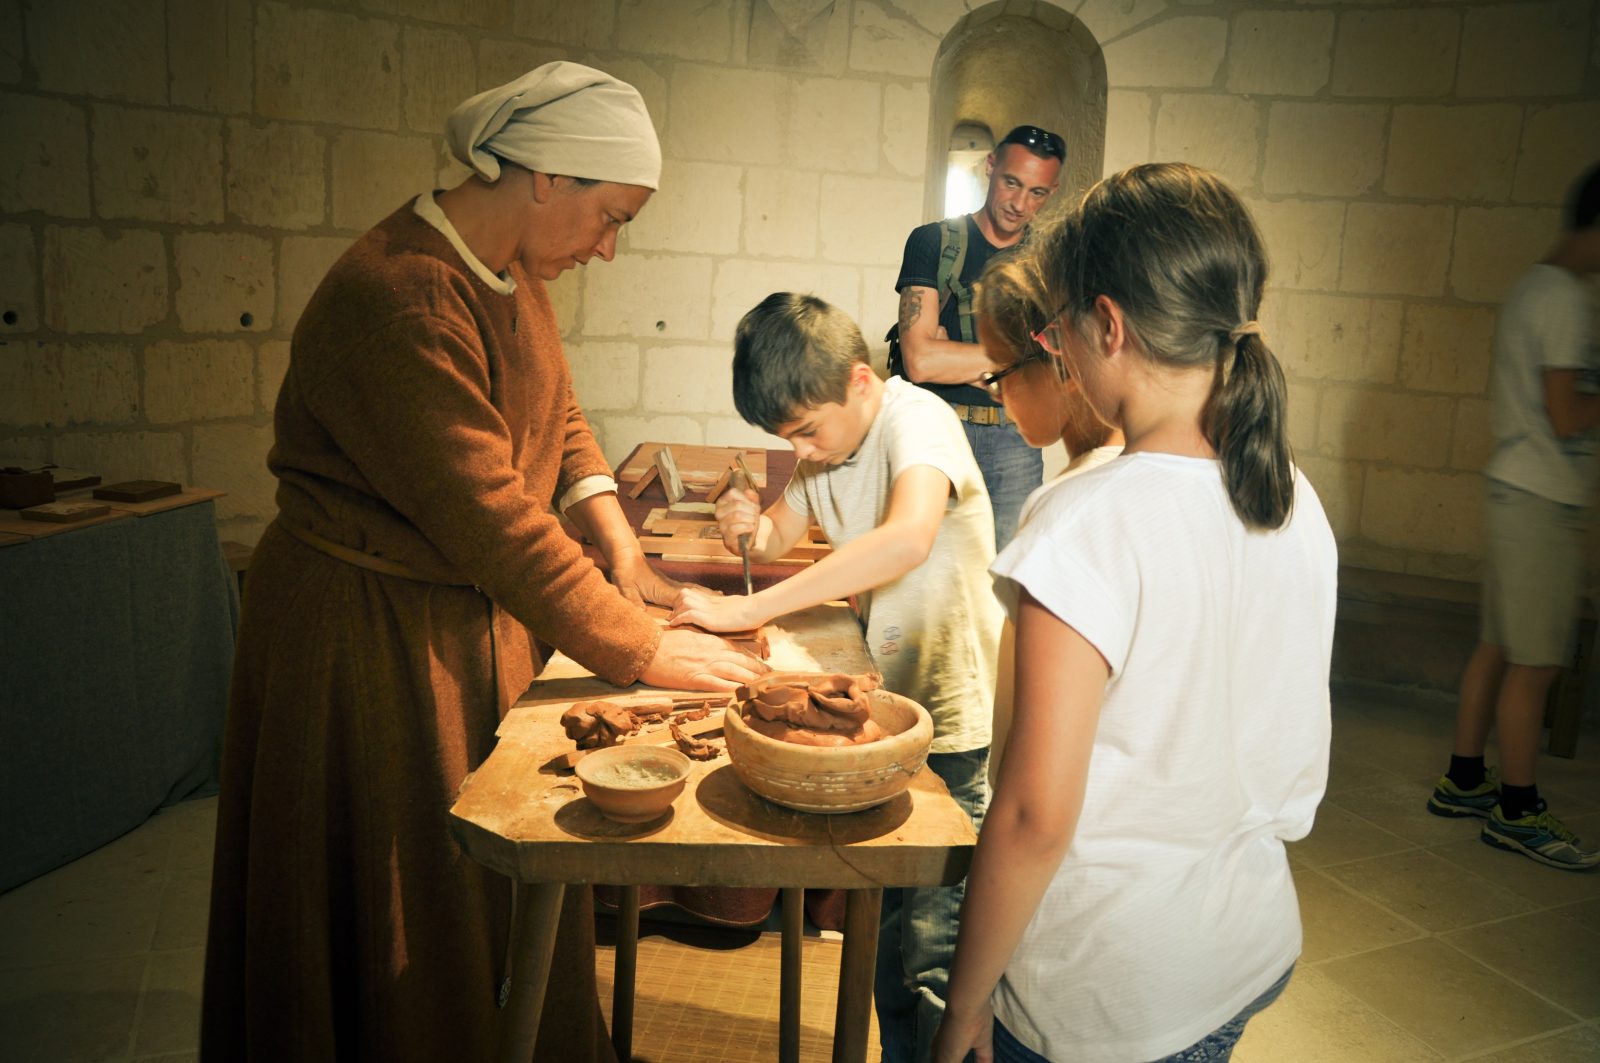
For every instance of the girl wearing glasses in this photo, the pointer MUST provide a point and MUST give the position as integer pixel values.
(1130, 898)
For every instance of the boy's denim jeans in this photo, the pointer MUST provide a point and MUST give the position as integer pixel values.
(1011, 470)
(917, 931)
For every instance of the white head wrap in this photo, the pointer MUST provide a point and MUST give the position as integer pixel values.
(562, 118)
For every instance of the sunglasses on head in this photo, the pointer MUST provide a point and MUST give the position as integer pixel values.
(1040, 141)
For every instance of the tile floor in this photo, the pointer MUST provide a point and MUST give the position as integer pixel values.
(1421, 942)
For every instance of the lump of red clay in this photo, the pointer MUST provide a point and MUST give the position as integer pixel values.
(597, 724)
(811, 709)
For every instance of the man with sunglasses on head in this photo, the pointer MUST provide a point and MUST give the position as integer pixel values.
(937, 342)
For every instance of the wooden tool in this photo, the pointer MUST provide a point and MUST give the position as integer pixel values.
(741, 480)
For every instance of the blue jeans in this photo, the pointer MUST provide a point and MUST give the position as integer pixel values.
(1011, 470)
(1214, 1047)
(917, 931)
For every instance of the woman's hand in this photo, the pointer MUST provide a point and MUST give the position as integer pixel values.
(716, 612)
(960, 1033)
(641, 583)
(694, 660)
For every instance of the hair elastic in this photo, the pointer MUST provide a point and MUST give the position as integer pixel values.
(1249, 328)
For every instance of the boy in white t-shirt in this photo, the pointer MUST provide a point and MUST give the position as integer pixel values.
(887, 473)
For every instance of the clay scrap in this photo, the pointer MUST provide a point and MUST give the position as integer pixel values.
(810, 708)
(598, 724)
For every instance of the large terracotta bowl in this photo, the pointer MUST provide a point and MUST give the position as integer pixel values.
(834, 778)
(633, 784)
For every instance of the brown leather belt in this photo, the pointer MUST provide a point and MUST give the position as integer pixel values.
(364, 560)
(991, 415)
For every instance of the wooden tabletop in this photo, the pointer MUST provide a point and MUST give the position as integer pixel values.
(15, 528)
(531, 822)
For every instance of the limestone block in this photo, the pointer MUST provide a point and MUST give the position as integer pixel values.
(302, 263)
(880, 308)
(1384, 425)
(1304, 398)
(19, 280)
(1526, 49)
(484, 14)
(500, 61)
(734, 432)
(1394, 249)
(1495, 244)
(780, 212)
(905, 128)
(198, 381)
(1558, 144)
(272, 364)
(1107, 19)
(883, 40)
(1407, 52)
(373, 173)
(233, 458)
(128, 455)
(1323, 149)
(605, 376)
(52, 385)
(1183, 52)
(222, 278)
(648, 297)
(1303, 239)
(29, 452)
(939, 16)
(1472, 441)
(586, 25)
(566, 293)
(835, 124)
(619, 433)
(277, 175)
(866, 219)
(1331, 337)
(684, 379)
(1338, 488)
(1446, 348)
(211, 54)
(324, 66)
(1128, 130)
(157, 166)
(438, 73)
(808, 35)
(1438, 152)
(651, 85)
(10, 32)
(697, 209)
(106, 48)
(104, 280)
(44, 156)
(1280, 53)
(703, 126)
(683, 29)
(1435, 512)
(1221, 133)
(742, 283)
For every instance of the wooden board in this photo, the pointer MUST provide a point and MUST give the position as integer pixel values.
(700, 466)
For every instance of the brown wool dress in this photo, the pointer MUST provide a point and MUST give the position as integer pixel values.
(428, 419)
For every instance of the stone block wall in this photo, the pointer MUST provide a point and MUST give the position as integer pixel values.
(176, 175)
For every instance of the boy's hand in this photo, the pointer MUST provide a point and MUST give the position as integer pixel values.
(738, 513)
(716, 612)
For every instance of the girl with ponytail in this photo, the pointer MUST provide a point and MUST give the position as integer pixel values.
(1130, 898)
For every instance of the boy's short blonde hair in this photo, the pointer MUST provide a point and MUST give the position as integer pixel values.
(792, 353)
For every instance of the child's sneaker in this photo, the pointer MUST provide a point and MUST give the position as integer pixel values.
(1448, 799)
(1540, 836)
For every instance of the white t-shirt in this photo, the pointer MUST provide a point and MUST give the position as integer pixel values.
(1547, 323)
(1080, 464)
(934, 633)
(1173, 907)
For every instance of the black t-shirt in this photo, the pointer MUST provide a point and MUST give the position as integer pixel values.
(920, 266)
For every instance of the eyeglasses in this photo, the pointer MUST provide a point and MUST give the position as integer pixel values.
(1039, 141)
(1049, 337)
(991, 381)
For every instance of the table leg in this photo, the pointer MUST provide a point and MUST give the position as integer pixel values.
(538, 913)
(853, 1016)
(789, 981)
(627, 967)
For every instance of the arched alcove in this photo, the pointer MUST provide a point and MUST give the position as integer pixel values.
(1008, 64)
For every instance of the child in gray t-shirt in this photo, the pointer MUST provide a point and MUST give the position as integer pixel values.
(885, 470)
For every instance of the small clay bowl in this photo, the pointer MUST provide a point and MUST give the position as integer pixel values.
(633, 784)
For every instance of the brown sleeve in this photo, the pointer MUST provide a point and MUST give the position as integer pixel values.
(409, 408)
(580, 454)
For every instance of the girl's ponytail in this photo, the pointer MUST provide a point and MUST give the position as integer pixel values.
(1246, 423)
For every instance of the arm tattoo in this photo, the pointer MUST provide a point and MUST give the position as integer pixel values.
(910, 308)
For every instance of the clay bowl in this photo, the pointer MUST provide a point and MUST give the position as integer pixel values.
(633, 784)
(834, 778)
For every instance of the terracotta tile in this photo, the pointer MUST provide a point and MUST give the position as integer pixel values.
(68, 1013)
(1429, 891)
(1339, 922)
(1317, 1021)
(1447, 1000)
(1541, 952)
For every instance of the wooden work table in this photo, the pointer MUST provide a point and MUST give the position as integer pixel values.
(531, 823)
